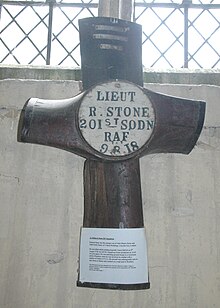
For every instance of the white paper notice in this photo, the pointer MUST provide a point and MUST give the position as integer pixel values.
(113, 256)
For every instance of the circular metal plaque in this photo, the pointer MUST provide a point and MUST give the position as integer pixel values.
(116, 118)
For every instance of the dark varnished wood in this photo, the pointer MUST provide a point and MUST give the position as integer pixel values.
(114, 286)
(112, 195)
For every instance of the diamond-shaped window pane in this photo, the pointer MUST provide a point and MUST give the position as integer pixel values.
(150, 54)
(68, 38)
(175, 54)
(206, 56)
(41, 34)
(24, 52)
(27, 19)
(199, 18)
(148, 15)
(12, 36)
(57, 53)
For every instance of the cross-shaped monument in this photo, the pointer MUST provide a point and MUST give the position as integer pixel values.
(113, 123)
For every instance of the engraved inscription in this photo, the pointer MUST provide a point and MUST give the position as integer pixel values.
(101, 36)
(116, 118)
(111, 46)
(111, 28)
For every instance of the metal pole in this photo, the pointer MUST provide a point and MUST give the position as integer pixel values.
(49, 36)
(186, 4)
(121, 9)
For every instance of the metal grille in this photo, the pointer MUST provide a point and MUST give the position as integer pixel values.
(175, 33)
